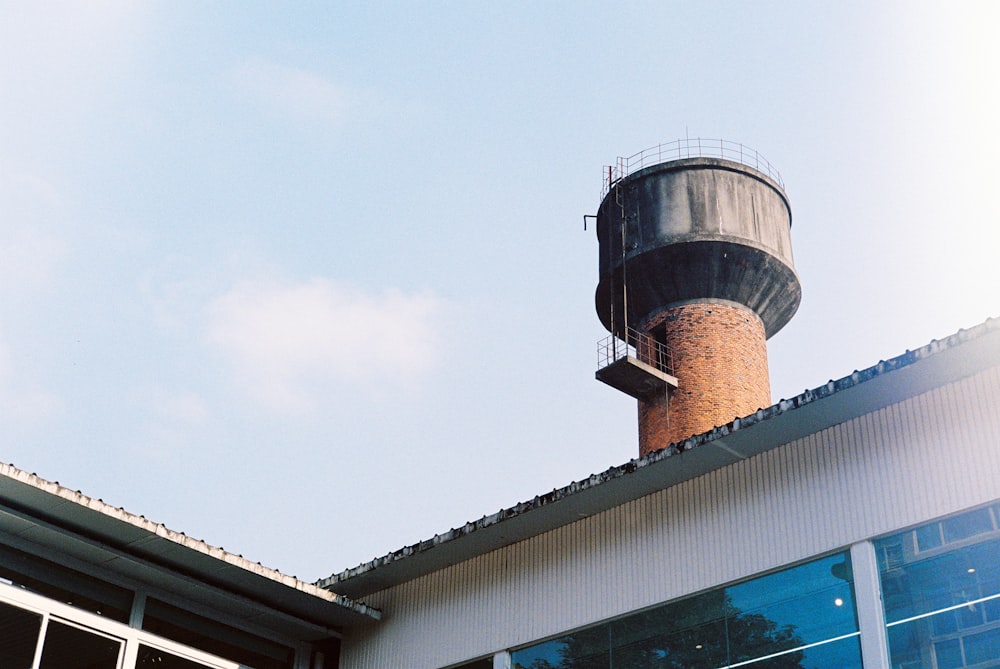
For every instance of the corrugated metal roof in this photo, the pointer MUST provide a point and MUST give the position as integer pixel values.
(885, 383)
(45, 516)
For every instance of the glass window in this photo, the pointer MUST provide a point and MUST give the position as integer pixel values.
(928, 537)
(63, 637)
(800, 617)
(69, 647)
(161, 659)
(18, 636)
(967, 525)
(942, 601)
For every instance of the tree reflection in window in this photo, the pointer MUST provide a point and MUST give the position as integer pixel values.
(801, 617)
(689, 635)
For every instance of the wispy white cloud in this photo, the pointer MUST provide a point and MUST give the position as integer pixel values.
(293, 92)
(287, 338)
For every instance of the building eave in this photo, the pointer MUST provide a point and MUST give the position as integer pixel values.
(46, 518)
(888, 382)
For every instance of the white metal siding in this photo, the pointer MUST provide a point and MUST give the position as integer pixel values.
(928, 456)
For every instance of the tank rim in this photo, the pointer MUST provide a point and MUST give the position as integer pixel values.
(700, 162)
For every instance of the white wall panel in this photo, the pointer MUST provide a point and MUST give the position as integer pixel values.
(926, 457)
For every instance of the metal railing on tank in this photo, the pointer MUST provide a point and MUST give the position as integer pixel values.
(637, 345)
(688, 148)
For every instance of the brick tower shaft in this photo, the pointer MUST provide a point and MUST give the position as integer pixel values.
(720, 352)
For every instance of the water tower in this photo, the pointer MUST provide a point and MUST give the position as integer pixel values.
(696, 273)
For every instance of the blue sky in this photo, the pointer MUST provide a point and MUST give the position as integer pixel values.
(309, 281)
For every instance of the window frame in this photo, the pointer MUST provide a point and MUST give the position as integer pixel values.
(130, 637)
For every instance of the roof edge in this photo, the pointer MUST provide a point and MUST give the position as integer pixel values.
(353, 580)
(120, 515)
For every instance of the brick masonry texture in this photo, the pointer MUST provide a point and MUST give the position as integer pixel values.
(720, 360)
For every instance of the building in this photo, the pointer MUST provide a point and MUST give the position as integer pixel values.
(882, 486)
(857, 524)
(87, 585)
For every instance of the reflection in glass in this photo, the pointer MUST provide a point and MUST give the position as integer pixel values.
(966, 525)
(941, 593)
(801, 617)
(844, 653)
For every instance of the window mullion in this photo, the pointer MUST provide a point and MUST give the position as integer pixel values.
(42, 629)
(131, 651)
(868, 597)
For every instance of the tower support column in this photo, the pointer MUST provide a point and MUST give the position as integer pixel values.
(719, 355)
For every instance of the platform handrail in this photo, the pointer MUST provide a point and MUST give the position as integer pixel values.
(679, 149)
(640, 346)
